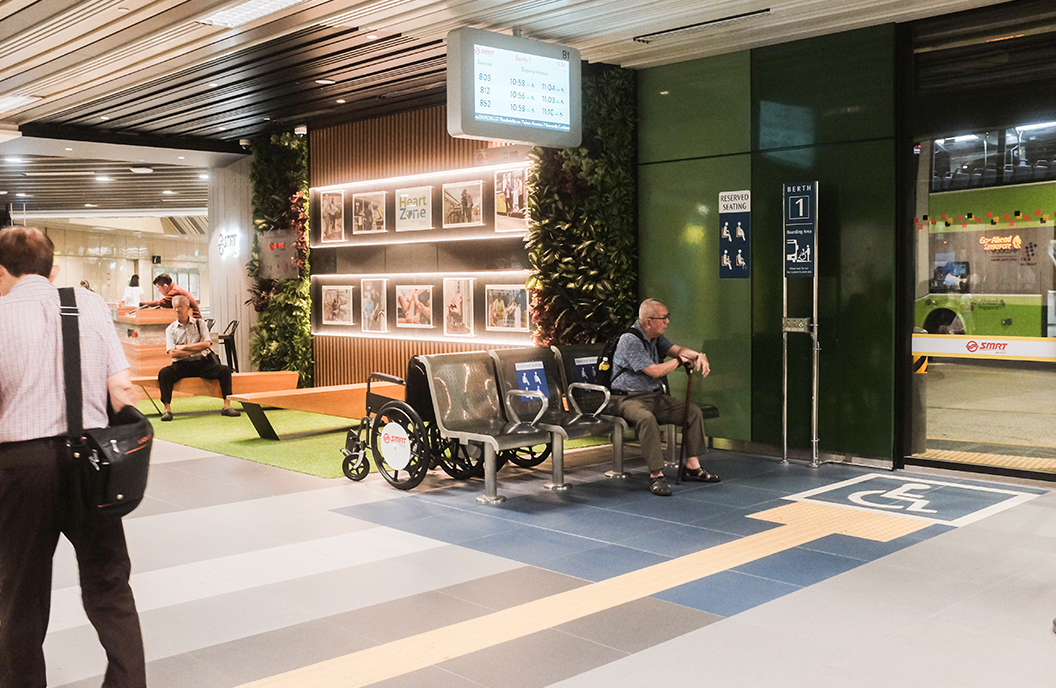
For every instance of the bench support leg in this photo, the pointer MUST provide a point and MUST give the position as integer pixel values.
(154, 403)
(491, 493)
(557, 459)
(617, 453)
(260, 421)
(672, 445)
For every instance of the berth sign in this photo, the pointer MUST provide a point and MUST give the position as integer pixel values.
(801, 224)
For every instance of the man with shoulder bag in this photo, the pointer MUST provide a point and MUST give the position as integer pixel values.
(187, 341)
(40, 495)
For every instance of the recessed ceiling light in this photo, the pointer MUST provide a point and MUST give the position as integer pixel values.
(14, 160)
(22, 195)
(69, 149)
(213, 85)
(180, 157)
(203, 176)
(103, 179)
(267, 119)
(222, 128)
(168, 193)
(325, 82)
(141, 170)
(104, 118)
(90, 205)
(247, 12)
(371, 37)
(341, 101)
(3, 193)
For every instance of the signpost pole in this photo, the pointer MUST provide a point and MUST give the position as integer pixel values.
(817, 347)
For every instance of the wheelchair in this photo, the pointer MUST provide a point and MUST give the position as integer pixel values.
(405, 442)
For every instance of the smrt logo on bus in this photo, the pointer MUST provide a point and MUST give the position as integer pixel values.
(974, 346)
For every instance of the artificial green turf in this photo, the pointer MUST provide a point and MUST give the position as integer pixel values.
(197, 423)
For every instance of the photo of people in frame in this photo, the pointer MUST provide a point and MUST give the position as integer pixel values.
(507, 307)
(368, 213)
(462, 204)
(458, 307)
(511, 208)
(332, 215)
(337, 305)
(414, 305)
(374, 296)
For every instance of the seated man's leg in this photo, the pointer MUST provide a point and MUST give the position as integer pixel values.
(671, 410)
(167, 379)
(221, 373)
(637, 409)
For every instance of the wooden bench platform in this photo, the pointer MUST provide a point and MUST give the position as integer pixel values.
(344, 401)
(241, 383)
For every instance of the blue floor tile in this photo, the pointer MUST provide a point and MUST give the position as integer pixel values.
(798, 566)
(676, 509)
(395, 512)
(727, 593)
(592, 522)
(603, 562)
(858, 548)
(736, 521)
(458, 527)
(678, 540)
(731, 494)
(533, 546)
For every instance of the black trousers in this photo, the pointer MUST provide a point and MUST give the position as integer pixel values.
(203, 367)
(37, 503)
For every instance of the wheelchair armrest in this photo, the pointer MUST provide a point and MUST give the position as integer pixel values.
(527, 393)
(386, 378)
(592, 388)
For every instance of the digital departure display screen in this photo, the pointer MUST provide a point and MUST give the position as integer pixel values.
(509, 88)
(521, 89)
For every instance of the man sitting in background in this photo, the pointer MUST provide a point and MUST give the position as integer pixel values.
(169, 291)
(187, 341)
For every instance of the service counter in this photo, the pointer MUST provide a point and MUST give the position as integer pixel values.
(142, 335)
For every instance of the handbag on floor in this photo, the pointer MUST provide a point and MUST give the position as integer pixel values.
(112, 462)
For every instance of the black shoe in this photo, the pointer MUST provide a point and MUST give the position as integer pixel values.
(699, 475)
(230, 412)
(167, 416)
(659, 486)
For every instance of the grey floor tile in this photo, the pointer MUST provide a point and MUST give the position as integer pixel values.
(637, 625)
(433, 677)
(179, 671)
(534, 661)
(191, 491)
(279, 651)
(514, 587)
(408, 616)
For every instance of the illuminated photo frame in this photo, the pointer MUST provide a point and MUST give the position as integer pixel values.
(414, 305)
(414, 209)
(458, 306)
(332, 216)
(337, 306)
(511, 201)
(506, 308)
(368, 213)
(463, 204)
(374, 295)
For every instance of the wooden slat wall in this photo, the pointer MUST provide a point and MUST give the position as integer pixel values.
(348, 360)
(392, 146)
(407, 143)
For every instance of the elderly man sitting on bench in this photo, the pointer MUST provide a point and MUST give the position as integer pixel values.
(187, 341)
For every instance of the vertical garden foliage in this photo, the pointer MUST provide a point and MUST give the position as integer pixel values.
(583, 240)
(282, 337)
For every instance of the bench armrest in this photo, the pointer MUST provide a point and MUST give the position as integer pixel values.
(592, 388)
(527, 393)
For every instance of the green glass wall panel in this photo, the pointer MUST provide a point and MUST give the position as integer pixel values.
(679, 265)
(856, 247)
(695, 109)
(839, 87)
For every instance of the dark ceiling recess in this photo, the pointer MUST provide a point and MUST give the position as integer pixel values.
(984, 68)
(276, 83)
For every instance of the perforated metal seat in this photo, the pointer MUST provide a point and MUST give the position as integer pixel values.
(468, 407)
(537, 368)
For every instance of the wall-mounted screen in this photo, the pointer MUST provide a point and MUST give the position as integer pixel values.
(501, 87)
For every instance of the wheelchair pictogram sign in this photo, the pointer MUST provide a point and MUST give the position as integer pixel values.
(531, 376)
(949, 503)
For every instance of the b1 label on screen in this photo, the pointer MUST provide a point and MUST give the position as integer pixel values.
(735, 234)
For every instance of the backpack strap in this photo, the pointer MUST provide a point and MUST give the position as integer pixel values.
(71, 364)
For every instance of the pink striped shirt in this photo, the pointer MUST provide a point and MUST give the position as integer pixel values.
(32, 389)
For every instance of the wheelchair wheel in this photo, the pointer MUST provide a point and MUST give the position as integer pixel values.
(400, 446)
(356, 466)
(526, 457)
(452, 456)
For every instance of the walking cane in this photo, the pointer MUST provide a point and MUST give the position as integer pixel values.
(685, 419)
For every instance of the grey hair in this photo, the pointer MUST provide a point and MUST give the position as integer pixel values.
(648, 306)
(180, 299)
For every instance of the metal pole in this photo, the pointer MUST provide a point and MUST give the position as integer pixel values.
(814, 336)
(784, 355)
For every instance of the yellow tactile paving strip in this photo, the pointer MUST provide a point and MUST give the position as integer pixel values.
(801, 523)
(1026, 463)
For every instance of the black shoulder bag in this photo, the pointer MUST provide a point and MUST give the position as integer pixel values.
(112, 461)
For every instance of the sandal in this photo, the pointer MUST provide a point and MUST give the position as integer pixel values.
(699, 475)
(659, 486)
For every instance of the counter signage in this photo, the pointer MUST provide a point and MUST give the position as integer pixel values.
(735, 234)
(801, 223)
(278, 249)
